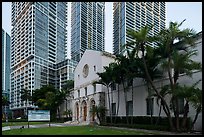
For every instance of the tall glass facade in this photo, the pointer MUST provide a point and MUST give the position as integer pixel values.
(38, 42)
(87, 32)
(6, 44)
(134, 15)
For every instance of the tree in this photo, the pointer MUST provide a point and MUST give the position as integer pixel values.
(47, 97)
(69, 85)
(139, 43)
(173, 50)
(122, 62)
(177, 57)
(106, 80)
(117, 80)
(67, 88)
(26, 96)
(196, 101)
(100, 112)
(68, 113)
(5, 102)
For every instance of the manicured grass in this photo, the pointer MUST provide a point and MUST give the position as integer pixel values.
(21, 123)
(75, 130)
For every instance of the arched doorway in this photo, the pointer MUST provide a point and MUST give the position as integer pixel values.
(92, 105)
(84, 110)
(77, 111)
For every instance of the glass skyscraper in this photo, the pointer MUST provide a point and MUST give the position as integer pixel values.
(38, 43)
(87, 27)
(6, 44)
(134, 15)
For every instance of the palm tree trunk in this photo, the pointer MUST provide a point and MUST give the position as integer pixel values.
(132, 106)
(159, 114)
(172, 83)
(186, 110)
(26, 108)
(109, 104)
(125, 96)
(58, 109)
(164, 102)
(150, 106)
(196, 116)
(169, 118)
(118, 103)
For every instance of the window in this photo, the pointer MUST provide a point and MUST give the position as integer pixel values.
(94, 68)
(94, 88)
(78, 93)
(85, 71)
(150, 104)
(129, 108)
(113, 109)
(181, 105)
(85, 91)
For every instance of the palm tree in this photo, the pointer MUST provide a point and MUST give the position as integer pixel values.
(26, 96)
(133, 71)
(166, 48)
(117, 80)
(176, 56)
(123, 63)
(139, 43)
(68, 113)
(106, 80)
(67, 88)
(196, 101)
(100, 112)
(163, 92)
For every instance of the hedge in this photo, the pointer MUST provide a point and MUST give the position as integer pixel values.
(144, 122)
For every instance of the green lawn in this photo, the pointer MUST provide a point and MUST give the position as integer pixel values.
(75, 130)
(21, 123)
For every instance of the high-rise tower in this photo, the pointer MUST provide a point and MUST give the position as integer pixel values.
(6, 44)
(134, 15)
(87, 32)
(38, 40)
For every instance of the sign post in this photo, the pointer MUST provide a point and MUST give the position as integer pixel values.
(38, 115)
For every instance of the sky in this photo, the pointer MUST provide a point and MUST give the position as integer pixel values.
(175, 11)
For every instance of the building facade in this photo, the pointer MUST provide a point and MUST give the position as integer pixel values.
(87, 27)
(38, 40)
(6, 44)
(64, 71)
(134, 15)
(86, 94)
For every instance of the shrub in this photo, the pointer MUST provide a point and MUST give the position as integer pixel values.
(144, 122)
(16, 120)
(140, 126)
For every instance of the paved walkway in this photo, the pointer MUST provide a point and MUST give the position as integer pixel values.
(65, 124)
(155, 131)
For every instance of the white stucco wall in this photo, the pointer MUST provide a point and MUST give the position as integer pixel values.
(95, 60)
(99, 60)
